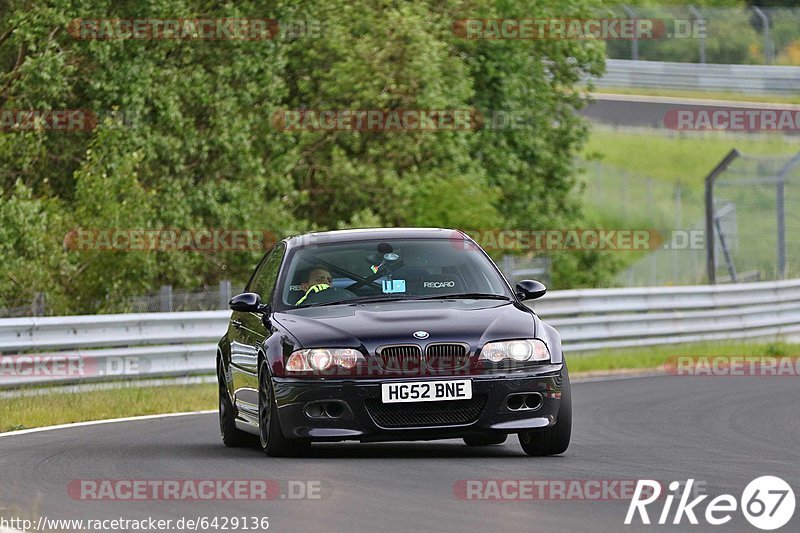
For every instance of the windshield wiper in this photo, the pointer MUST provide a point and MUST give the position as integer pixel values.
(467, 295)
(397, 297)
(321, 304)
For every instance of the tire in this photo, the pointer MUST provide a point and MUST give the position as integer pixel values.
(270, 433)
(232, 436)
(485, 440)
(554, 439)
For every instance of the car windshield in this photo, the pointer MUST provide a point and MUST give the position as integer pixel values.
(384, 270)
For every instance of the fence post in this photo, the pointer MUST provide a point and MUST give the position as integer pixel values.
(702, 38)
(768, 55)
(781, 214)
(165, 299)
(224, 293)
(780, 211)
(634, 41)
(38, 306)
(710, 241)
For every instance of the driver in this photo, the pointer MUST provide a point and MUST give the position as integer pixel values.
(315, 279)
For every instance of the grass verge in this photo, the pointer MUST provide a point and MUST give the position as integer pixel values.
(702, 95)
(67, 407)
(654, 357)
(64, 408)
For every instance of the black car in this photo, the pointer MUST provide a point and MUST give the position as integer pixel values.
(389, 334)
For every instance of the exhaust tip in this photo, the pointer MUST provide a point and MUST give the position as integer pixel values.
(331, 409)
(335, 409)
(315, 410)
(533, 401)
(524, 401)
(515, 402)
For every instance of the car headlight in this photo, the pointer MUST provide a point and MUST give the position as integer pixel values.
(321, 359)
(522, 350)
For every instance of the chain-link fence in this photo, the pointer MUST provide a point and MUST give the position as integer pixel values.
(620, 199)
(166, 300)
(755, 216)
(695, 34)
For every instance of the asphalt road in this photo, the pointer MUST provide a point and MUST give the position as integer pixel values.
(721, 431)
(649, 111)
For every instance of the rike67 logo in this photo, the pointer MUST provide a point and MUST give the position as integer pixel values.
(767, 502)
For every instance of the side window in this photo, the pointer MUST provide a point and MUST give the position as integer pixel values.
(266, 276)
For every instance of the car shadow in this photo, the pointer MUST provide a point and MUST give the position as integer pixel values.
(415, 450)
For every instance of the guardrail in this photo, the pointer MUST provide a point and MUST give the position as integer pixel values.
(102, 347)
(753, 79)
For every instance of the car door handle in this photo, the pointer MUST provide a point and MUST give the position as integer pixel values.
(236, 324)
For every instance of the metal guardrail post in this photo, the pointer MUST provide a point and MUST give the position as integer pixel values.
(709, 193)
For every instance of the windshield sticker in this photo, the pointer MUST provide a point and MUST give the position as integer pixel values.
(438, 284)
(391, 286)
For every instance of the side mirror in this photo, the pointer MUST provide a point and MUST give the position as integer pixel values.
(530, 289)
(247, 302)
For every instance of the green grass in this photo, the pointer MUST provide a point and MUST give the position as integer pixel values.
(63, 408)
(671, 157)
(655, 357)
(703, 95)
(67, 407)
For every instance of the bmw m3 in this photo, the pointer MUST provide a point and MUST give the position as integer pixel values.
(389, 334)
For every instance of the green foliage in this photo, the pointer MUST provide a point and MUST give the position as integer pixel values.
(186, 137)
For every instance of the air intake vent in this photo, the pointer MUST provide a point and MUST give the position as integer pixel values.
(448, 356)
(420, 414)
(406, 358)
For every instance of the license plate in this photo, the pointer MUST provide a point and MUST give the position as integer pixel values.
(426, 391)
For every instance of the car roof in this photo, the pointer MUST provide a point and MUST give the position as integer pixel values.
(350, 235)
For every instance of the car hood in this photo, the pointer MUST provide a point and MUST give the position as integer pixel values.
(377, 324)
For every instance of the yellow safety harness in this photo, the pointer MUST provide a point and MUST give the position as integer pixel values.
(314, 288)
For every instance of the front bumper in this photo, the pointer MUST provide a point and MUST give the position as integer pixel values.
(358, 422)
